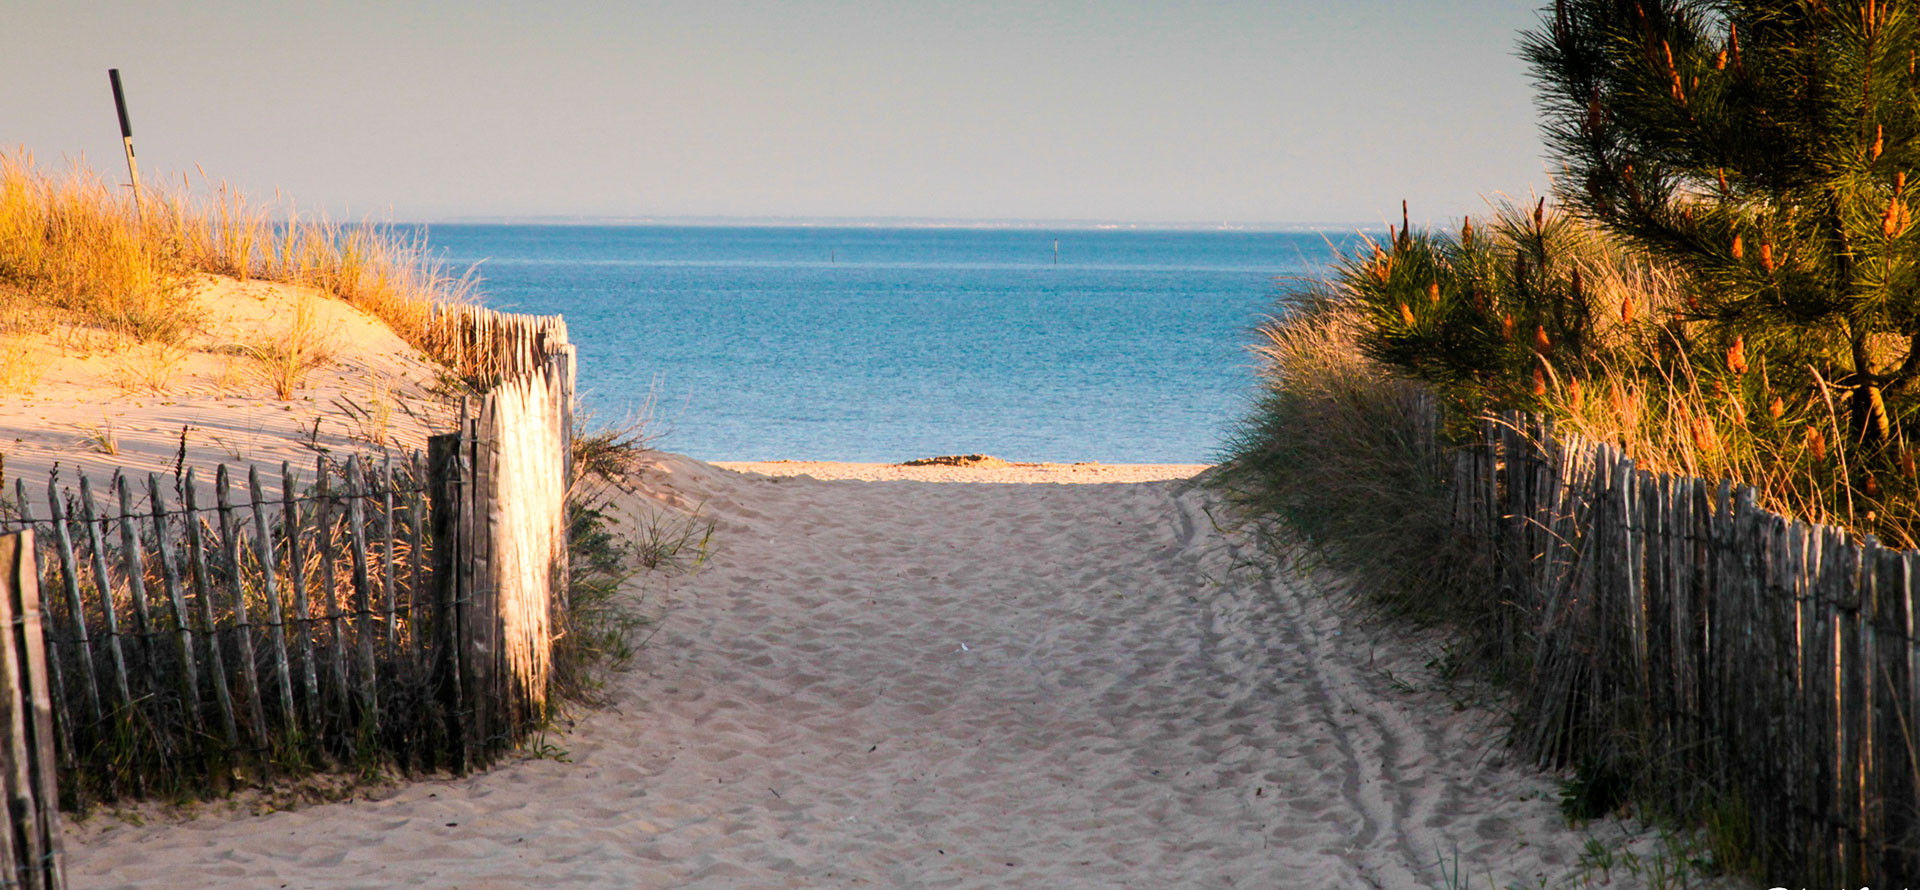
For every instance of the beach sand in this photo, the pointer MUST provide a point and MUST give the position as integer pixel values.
(901, 683)
(1062, 676)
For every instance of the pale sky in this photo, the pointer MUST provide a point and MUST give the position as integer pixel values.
(1286, 111)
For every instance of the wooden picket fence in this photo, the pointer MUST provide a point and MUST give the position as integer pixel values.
(1717, 652)
(394, 612)
(486, 347)
(30, 848)
(190, 641)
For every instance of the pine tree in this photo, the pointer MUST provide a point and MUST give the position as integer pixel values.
(1763, 149)
(1486, 317)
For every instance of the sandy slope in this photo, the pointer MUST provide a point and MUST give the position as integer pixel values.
(373, 394)
(912, 684)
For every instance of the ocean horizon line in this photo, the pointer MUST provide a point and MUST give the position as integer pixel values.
(900, 222)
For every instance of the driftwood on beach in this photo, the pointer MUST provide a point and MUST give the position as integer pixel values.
(399, 610)
(1714, 652)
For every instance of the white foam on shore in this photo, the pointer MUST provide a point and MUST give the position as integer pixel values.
(988, 471)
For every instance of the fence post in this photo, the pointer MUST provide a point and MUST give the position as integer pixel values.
(33, 796)
(480, 636)
(564, 364)
(444, 459)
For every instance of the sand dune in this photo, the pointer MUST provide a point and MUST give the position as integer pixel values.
(904, 683)
(104, 403)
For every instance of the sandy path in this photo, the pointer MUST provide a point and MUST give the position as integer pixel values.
(912, 684)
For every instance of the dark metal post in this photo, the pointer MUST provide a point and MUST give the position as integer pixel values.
(126, 140)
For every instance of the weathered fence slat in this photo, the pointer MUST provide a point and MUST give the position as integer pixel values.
(16, 751)
(249, 662)
(203, 594)
(133, 561)
(182, 632)
(444, 457)
(477, 659)
(270, 592)
(76, 608)
(103, 579)
(32, 843)
(418, 613)
(491, 703)
(1907, 707)
(1742, 653)
(302, 607)
(336, 634)
(362, 593)
(390, 560)
(61, 709)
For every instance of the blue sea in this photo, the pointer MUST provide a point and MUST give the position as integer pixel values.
(887, 344)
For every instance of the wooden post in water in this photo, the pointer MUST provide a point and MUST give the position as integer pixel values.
(126, 141)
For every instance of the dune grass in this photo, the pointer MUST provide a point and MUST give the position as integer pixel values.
(1347, 456)
(286, 358)
(76, 251)
(1535, 310)
(608, 550)
(1372, 377)
(76, 247)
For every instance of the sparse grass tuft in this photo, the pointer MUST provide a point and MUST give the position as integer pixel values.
(101, 438)
(148, 367)
(675, 543)
(610, 452)
(597, 630)
(374, 420)
(603, 611)
(284, 362)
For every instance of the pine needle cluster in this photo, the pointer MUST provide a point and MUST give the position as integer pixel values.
(1538, 310)
(1763, 149)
